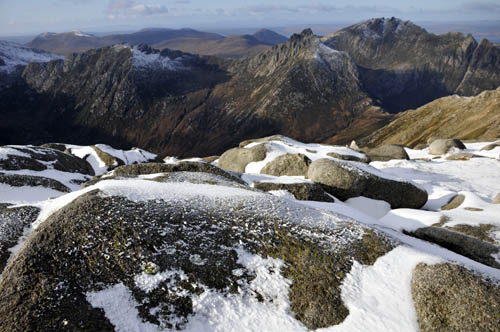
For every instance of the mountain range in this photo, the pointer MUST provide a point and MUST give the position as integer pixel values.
(332, 89)
(187, 40)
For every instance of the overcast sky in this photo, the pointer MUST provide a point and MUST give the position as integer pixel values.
(35, 16)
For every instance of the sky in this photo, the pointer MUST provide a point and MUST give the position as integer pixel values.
(18, 17)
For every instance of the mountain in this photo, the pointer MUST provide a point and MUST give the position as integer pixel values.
(403, 66)
(77, 41)
(13, 55)
(230, 47)
(192, 105)
(171, 102)
(468, 118)
(270, 37)
(67, 42)
(155, 35)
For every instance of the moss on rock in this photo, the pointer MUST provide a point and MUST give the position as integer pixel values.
(449, 297)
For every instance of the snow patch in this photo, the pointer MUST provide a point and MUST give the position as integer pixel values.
(14, 54)
(155, 61)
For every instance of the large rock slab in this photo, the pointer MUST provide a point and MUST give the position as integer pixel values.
(449, 297)
(462, 244)
(346, 180)
(442, 146)
(287, 164)
(163, 247)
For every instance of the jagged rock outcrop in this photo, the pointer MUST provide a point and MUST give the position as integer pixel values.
(404, 66)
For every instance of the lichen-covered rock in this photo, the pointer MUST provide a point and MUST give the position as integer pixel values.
(346, 180)
(454, 202)
(237, 159)
(15, 180)
(287, 164)
(40, 158)
(449, 297)
(462, 244)
(442, 146)
(304, 191)
(388, 152)
(13, 220)
(190, 244)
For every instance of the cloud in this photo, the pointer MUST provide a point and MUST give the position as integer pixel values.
(128, 8)
(486, 7)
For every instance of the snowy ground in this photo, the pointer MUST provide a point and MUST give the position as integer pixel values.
(378, 297)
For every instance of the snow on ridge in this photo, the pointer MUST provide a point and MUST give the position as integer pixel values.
(14, 54)
(78, 33)
(155, 60)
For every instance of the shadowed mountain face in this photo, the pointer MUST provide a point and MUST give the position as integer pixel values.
(404, 66)
(175, 103)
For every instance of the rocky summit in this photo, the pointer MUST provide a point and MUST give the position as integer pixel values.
(273, 235)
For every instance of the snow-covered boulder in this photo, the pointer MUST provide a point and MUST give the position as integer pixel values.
(180, 255)
(288, 164)
(304, 191)
(345, 180)
(449, 297)
(30, 174)
(104, 158)
(237, 159)
(388, 152)
(442, 146)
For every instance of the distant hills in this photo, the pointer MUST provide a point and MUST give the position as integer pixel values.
(187, 40)
(232, 46)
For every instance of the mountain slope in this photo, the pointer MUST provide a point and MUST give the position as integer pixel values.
(270, 37)
(229, 47)
(404, 66)
(174, 103)
(475, 118)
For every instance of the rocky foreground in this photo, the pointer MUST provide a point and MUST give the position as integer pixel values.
(273, 235)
